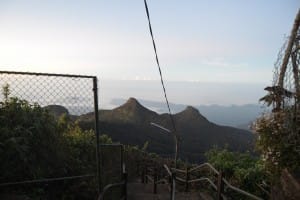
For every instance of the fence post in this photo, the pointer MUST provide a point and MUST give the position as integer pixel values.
(95, 91)
(125, 177)
(220, 186)
(187, 177)
(138, 167)
(171, 182)
(155, 178)
(143, 174)
(146, 175)
(173, 179)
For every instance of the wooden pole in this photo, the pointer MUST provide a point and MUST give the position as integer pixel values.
(125, 177)
(289, 49)
(155, 181)
(146, 173)
(143, 175)
(187, 177)
(220, 186)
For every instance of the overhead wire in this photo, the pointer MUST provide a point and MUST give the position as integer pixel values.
(159, 68)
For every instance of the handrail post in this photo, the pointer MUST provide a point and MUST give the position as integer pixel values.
(125, 177)
(143, 175)
(146, 175)
(187, 177)
(172, 193)
(171, 182)
(138, 167)
(155, 181)
(220, 186)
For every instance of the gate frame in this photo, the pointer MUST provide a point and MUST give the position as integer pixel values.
(96, 127)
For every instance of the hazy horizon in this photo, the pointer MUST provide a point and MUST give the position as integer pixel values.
(211, 52)
(180, 92)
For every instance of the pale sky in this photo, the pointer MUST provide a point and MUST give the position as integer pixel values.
(197, 40)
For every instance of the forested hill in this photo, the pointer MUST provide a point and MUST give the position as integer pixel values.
(130, 124)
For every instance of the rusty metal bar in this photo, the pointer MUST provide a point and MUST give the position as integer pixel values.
(228, 185)
(178, 170)
(205, 165)
(168, 170)
(220, 186)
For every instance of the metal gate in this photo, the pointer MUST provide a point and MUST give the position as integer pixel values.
(59, 94)
(111, 168)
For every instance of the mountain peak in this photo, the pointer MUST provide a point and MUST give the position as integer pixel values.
(191, 113)
(132, 111)
(191, 109)
(132, 100)
(132, 104)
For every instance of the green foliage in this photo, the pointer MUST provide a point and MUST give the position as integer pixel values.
(105, 139)
(80, 145)
(241, 169)
(279, 141)
(31, 148)
(34, 144)
(279, 132)
(145, 146)
(6, 92)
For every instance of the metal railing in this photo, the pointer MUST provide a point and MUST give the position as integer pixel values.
(220, 185)
(157, 175)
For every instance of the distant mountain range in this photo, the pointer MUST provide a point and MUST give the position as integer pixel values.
(130, 124)
(239, 116)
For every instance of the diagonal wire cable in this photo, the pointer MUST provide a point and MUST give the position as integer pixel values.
(158, 65)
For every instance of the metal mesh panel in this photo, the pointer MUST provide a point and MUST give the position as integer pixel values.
(73, 93)
(111, 168)
(59, 95)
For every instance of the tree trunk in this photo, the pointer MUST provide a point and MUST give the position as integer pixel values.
(289, 49)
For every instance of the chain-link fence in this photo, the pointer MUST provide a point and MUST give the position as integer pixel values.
(44, 149)
(291, 74)
(111, 169)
